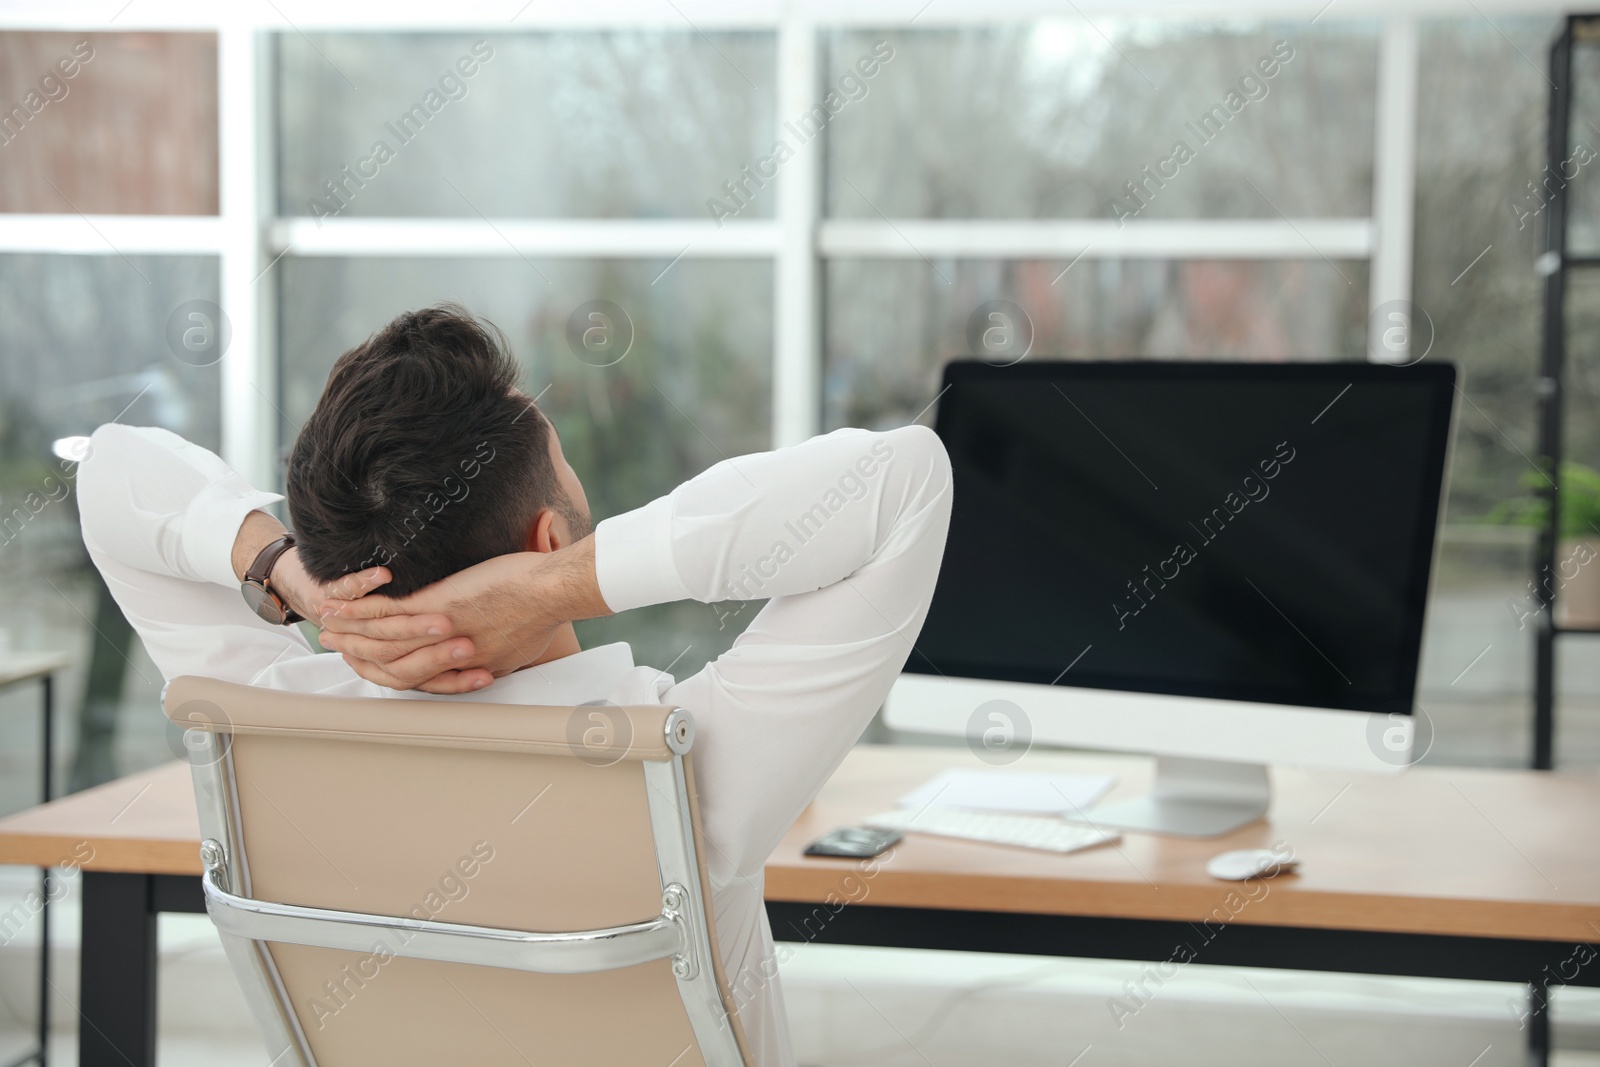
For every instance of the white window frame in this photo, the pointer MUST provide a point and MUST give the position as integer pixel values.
(249, 237)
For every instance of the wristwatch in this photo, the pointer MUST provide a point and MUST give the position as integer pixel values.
(257, 585)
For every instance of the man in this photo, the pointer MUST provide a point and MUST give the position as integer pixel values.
(424, 469)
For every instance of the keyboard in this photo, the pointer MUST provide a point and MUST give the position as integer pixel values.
(1042, 832)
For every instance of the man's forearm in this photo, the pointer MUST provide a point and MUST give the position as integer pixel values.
(289, 579)
(771, 524)
(559, 585)
(185, 516)
(256, 532)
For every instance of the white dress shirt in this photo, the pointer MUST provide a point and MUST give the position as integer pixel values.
(844, 533)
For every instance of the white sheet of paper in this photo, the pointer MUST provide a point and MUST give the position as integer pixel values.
(1017, 792)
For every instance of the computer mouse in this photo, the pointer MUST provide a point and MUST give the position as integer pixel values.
(1249, 863)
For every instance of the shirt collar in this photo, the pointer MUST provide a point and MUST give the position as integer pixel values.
(588, 675)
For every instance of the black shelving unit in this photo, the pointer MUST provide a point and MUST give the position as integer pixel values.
(1554, 264)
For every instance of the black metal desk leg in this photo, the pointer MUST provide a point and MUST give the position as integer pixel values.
(117, 990)
(1538, 1023)
(46, 774)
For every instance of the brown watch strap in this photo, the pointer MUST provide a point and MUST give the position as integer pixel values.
(260, 572)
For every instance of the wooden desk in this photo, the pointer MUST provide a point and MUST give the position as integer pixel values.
(1453, 851)
(1441, 872)
(144, 823)
(137, 842)
(21, 666)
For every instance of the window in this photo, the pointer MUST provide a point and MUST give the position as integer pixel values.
(1053, 119)
(1482, 100)
(585, 125)
(926, 171)
(883, 369)
(95, 124)
(85, 341)
(108, 123)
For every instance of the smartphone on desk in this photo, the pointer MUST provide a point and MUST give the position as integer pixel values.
(854, 842)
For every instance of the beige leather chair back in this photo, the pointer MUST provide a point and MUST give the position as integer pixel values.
(428, 882)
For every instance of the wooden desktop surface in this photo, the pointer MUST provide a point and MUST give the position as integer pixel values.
(1436, 850)
(21, 666)
(144, 823)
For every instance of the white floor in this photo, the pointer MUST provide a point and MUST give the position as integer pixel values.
(186, 1050)
(882, 1008)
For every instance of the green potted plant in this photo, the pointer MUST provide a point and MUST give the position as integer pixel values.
(1577, 574)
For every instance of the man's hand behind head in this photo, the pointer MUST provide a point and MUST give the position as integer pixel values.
(306, 596)
(426, 636)
(458, 634)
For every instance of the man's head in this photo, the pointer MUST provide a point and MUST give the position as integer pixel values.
(423, 456)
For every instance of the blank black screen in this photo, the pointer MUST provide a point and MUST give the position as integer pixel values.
(1258, 532)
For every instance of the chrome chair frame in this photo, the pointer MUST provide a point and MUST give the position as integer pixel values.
(247, 924)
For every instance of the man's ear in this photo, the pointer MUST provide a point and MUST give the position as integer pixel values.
(542, 535)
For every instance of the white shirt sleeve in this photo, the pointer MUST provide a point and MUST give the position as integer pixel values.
(159, 518)
(845, 533)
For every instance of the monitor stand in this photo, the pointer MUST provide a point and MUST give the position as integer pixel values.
(1191, 798)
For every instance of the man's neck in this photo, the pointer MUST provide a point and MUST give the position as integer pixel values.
(563, 643)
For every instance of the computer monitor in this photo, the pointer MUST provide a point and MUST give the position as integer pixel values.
(1223, 564)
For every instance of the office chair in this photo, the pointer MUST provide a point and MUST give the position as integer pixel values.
(426, 882)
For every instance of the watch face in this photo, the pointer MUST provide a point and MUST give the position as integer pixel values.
(263, 603)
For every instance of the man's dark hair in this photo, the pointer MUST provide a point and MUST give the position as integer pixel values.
(421, 456)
